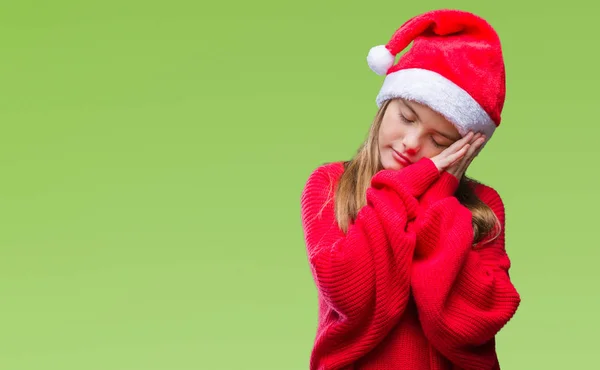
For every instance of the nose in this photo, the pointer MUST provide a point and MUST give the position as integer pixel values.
(411, 142)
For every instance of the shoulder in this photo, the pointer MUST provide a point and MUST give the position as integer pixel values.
(490, 196)
(325, 174)
(319, 188)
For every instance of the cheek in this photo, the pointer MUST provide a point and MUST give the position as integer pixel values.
(430, 153)
(388, 132)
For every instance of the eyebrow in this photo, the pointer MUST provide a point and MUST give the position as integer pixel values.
(407, 104)
(447, 136)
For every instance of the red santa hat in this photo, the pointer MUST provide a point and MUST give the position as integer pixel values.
(455, 67)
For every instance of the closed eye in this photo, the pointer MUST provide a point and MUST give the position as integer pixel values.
(438, 145)
(404, 119)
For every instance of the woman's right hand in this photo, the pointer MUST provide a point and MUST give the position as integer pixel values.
(454, 152)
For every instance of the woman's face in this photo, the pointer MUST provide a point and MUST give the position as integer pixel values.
(412, 131)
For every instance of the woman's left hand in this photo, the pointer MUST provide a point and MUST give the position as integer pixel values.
(459, 168)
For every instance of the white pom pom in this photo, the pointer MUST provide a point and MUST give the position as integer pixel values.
(380, 59)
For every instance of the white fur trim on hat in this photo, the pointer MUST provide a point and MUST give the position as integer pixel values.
(441, 95)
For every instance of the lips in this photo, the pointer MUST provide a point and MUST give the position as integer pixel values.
(401, 159)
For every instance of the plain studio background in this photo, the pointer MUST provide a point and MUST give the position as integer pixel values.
(153, 155)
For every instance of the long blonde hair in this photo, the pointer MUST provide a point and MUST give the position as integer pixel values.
(350, 195)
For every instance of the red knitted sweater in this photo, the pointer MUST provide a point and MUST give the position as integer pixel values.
(405, 288)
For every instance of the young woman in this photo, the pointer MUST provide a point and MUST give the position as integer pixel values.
(407, 253)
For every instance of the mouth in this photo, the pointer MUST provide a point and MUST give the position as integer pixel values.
(400, 158)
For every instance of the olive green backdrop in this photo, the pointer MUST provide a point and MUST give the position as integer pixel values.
(153, 155)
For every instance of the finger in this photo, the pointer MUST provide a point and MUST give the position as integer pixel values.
(475, 145)
(461, 164)
(476, 137)
(483, 138)
(464, 160)
(472, 152)
(455, 152)
(465, 139)
(478, 146)
(456, 157)
(473, 138)
(460, 143)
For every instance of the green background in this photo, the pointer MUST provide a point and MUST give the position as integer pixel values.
(153, 155)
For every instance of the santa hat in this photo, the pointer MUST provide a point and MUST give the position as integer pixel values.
(454, 66)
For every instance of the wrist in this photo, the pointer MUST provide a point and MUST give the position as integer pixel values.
(445, 186)
(415, 178)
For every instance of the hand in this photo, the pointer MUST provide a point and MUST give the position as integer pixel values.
(456, 158)
(459, 168)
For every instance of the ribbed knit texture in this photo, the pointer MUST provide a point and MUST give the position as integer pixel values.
(404, 288)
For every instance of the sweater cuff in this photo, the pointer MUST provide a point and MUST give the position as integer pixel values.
(444, 187)
(415, 179)
(421, 175)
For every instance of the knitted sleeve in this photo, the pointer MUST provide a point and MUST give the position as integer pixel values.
(363, 276)
(463, 293)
